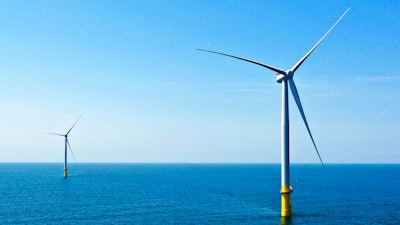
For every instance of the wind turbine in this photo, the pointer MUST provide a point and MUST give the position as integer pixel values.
(286, 78)
(67, 145)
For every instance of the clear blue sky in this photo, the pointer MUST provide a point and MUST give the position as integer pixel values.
(149, 96)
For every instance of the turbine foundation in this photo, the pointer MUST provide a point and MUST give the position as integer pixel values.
(285, 197)
(65, 172)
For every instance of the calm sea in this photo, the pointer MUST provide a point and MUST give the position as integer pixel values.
(196, 194)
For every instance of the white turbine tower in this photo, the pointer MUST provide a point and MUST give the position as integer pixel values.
(286, 78)
(67, 145)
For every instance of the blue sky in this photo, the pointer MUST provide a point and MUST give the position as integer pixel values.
(149, 96)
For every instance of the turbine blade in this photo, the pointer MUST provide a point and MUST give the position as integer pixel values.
(70, 149)
(297, 99)
(74, 124)
(56, 134)
(247, 60)
(298, 64)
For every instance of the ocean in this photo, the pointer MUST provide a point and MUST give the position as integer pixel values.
(197, 194)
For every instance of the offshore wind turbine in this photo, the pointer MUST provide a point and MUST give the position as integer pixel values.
(286, 78)
(67, 145)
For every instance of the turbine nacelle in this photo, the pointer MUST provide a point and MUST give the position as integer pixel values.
(286, 75)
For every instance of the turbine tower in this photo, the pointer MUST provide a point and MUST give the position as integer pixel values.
(67, 145)
(285, 77)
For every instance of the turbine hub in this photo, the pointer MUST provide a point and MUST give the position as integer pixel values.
(290, 74)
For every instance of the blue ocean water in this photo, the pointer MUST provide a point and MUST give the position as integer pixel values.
(196, 194)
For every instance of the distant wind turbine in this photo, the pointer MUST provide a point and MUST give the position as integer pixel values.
(67, 145)
(286, 78)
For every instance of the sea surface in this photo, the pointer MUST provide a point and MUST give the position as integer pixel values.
(197, 194)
